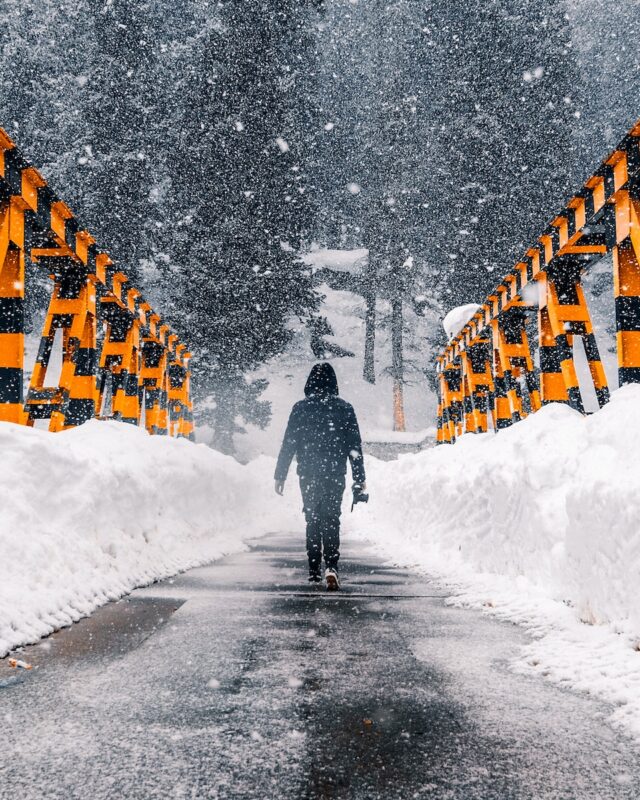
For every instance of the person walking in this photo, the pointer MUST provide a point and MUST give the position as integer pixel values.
(322, 433)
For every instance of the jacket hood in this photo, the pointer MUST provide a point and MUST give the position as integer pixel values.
(322, 381)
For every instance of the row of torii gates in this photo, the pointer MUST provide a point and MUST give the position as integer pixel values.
(486, 373)
(119, 360)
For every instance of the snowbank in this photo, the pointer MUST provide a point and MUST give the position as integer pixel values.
(540, 524)
(88, 514)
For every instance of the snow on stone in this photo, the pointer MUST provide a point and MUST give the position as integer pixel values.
(531, 75)
(538, 525)
(457, 318)
(88, 514)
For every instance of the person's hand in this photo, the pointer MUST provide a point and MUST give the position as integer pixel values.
(279, 487)
(364, 486)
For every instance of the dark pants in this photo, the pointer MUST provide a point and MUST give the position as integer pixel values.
(322, 498)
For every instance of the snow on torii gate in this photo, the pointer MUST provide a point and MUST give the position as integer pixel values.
(478, 370)
(111, 336)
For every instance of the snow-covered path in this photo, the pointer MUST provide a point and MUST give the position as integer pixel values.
(237, 681)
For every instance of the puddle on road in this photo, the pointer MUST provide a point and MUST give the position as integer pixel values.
(110, 632)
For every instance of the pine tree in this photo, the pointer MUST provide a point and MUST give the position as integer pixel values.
(507, 123)
(240, 168)
(381, 158)
(123, 119)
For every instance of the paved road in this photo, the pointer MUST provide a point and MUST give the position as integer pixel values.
(237, 681)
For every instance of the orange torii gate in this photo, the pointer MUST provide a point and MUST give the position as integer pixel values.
(113, 343)
(602, 218)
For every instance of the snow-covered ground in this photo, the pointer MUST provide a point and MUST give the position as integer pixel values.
(539, 525)
(91, 513)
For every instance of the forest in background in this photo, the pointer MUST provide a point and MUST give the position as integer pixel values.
(207, 144)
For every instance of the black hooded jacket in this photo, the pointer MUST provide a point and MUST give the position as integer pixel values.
(322, 432)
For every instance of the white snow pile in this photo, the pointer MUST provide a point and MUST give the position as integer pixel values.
(457, 318)
(539, 524)
(89, 514)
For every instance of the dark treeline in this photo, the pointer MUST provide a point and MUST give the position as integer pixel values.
(207, 144)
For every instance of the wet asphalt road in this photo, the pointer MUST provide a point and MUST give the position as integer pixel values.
(238, 681)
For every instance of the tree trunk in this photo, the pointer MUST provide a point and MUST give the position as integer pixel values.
(224, 420)
(397, 366)
(369, 367)
(369, 294)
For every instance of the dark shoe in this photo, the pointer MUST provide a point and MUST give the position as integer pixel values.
(331, 576)
(315, 577)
